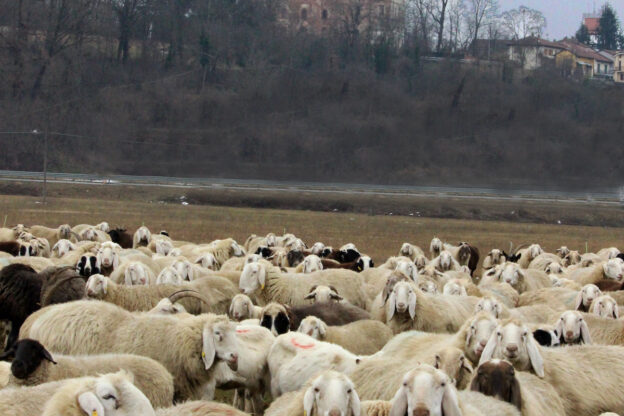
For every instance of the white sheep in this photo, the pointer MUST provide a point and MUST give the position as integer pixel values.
(528, 254)
(408, 268)
(208, 261)
(410, 250)
(328, 393)
(62, 247)
(524, 280)
(107, 395)
(572, 328)
(493, 258)
(606, 307)
(200, 408)
(606, 253)
(435, 247)
(295, 357)
(585, 377)
(311, 263)
(453, 362)
(188, 347)
(611, 269)
(322, 293)
(445, 262)
(53, 235)
(142, 237)
(243, 308)
(362, 337)
(454, 288)
(586, 296)
(169, 276)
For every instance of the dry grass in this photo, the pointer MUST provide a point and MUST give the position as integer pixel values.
(378, 236)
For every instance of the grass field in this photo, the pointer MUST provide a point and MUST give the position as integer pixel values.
(378, 235)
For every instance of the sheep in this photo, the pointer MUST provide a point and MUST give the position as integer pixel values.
(583, 376)
(454, 288)
(311, 263)
(32, 365)
(494, 257)
(572, 258)
(611, 269)
(524, 280)
(526, 255)
(87, 265)
(380, 376)
(243, 308)
(200, 408)
(276, 318)
(107, 257)
(608, 253)
(465, 254)
(52, 234)
(531, 395)
(208, 261)
(438, 313)
(539, 313)
(62, 247)
(408, 268)
(188, 346)
(253, 345)
(94, 234)
(294, 357)
(341, 256)
(61, 284)
(605, 307)
(453, 362)
(544, 260)
(328, 393)
(427, 391)
(562, 251)
(106, 395)
(360, 264)
(169, 276)
(142, 237)
(445, 262)
(586, 296)
(222, 250)
(411, 251)
(572, 328)
(322, 293)
(214, 291)
(317, 248)
(362, 337)
(270, 286)
(122, 237)
(435, 247)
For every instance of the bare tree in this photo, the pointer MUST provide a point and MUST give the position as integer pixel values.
(479, 12)
(522, 22)
(420, 16)
(438, 14)
(128, 13)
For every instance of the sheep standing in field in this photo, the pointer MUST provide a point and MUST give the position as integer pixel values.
(411, 251)
(363, 337)
(107, 395)
(435, 247)
(329, 393)
(188, 346)
(605, 307)
(52, 234)
(531, 395)
(524, 280)
(585, 377)
(526, 255)
(32, 365)
(445, 262)
(243, 308)
(62, 247)
(410, 308)
(107, 257)
(428, 391)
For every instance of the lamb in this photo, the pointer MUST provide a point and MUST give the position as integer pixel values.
(32, 365)
(215, 293)
(269, 285)
(92, 327)
(380, 376)
(605, 307)
(328, 393)
(364, 337)
(52, 234)
(611, 269)
(428, 391)
(531, 395)
(295, 357)
(583, 376)
(200, 408)
(107, 395)
(572, 328)
(243, 308)
(438, 313)
(322, 293)
(453, 362)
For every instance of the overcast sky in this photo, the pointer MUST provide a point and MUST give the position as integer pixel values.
(563, 17)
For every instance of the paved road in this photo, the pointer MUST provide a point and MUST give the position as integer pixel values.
(607, 196)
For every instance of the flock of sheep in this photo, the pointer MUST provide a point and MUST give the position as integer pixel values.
(102, 322)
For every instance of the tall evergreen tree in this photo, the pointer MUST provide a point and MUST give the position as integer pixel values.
(582, 35)
(609, 33)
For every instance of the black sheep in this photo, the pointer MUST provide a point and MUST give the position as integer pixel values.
(11, 247)
(26, 356)
(121, 237)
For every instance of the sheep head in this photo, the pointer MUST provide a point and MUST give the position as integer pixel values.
(312, 263)
(331, 393)
(512, 341)
(605, 307)
(136, 274)
(27, 355)
(454, 363)
(241, 307)
(63, 247)
(97, 286)
(497, 378)
(317, 248)
(184, 269)
(454, 288)
(489, 305)
(252, 278)
(208, 261)
(322, 293)
(313, 327)
(612, 269)
(586, 296)
(572, 328)
(478, 331)
(407, 250)
(219, 343)
(169, 276)
(407, 268)
(402, 299)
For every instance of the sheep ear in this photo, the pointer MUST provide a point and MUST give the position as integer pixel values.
(579, 300)
(516, 395)
(310, 296)
(115, 260)
(537, 362)
(399, 403)
(467, 366)
(308, 402)
(491, 345)
(209, 350)
(322, 329)
(48, 356)
(450, 405)
(585, 337)
(90, 404)
(390, 306)
(412, 305)
(559, 328)
(55, 247)
(616, 312)
(250, 309)
(262, 277)
(355, 403)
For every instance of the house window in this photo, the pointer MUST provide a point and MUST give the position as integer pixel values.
(324, 14)
(382, 9)
(304, 14)
(621, 76)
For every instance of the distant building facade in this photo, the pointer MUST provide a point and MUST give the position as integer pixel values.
(592, 23)
(618, 68)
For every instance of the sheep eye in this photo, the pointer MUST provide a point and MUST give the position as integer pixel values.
(562, 318)
(442, 384)
(316, 389)
(349, 391)
(109, 397)
(472, 327)
(498, 333)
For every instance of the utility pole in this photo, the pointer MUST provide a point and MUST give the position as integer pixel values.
(45, 164)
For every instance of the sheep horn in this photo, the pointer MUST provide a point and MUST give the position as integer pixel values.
(45, 298)
(186, 293)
